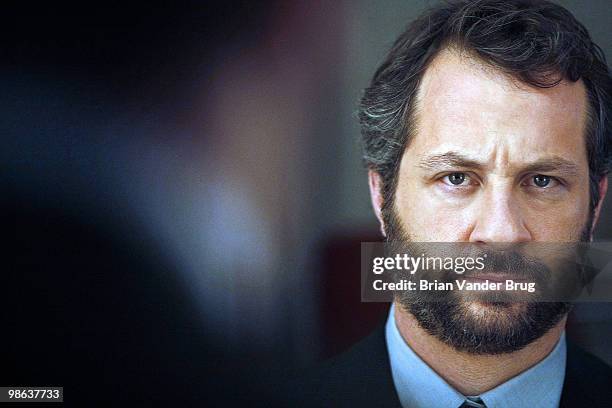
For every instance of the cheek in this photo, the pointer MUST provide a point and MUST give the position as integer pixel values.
(563, 221)
(426, 219)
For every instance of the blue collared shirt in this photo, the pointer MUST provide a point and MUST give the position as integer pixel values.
(418, 385)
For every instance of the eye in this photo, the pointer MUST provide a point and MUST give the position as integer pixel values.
(456, 179)
(541, 181)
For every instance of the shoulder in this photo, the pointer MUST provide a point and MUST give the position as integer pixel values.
(359, 377)
(588, 380)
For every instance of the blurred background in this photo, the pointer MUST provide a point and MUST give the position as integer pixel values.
(184, 194)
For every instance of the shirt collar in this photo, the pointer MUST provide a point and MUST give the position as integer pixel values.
(418, 385)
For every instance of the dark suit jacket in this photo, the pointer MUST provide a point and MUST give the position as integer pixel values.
(361, 377)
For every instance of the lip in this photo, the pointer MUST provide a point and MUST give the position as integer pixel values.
(494, 278)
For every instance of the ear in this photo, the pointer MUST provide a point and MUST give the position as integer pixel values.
(603, 189)
(376, 186)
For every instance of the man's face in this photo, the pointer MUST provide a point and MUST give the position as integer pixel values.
(492, 161)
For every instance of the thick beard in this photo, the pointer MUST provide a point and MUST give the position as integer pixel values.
(492, 328)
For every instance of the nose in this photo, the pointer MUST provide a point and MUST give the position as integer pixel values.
(499, 218)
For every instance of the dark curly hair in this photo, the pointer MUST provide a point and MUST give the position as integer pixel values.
(535, 41)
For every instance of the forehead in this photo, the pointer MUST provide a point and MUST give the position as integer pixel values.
(463, 105)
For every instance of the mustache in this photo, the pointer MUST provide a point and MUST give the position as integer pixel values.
(512, 264)
(508, 261)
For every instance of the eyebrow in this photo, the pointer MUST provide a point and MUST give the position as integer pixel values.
(553, 164)
(449, 159)
(457, 160)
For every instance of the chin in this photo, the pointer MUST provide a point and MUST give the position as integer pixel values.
(495, 315)
(487, 327)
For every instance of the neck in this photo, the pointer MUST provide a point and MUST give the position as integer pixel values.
(473, 374)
